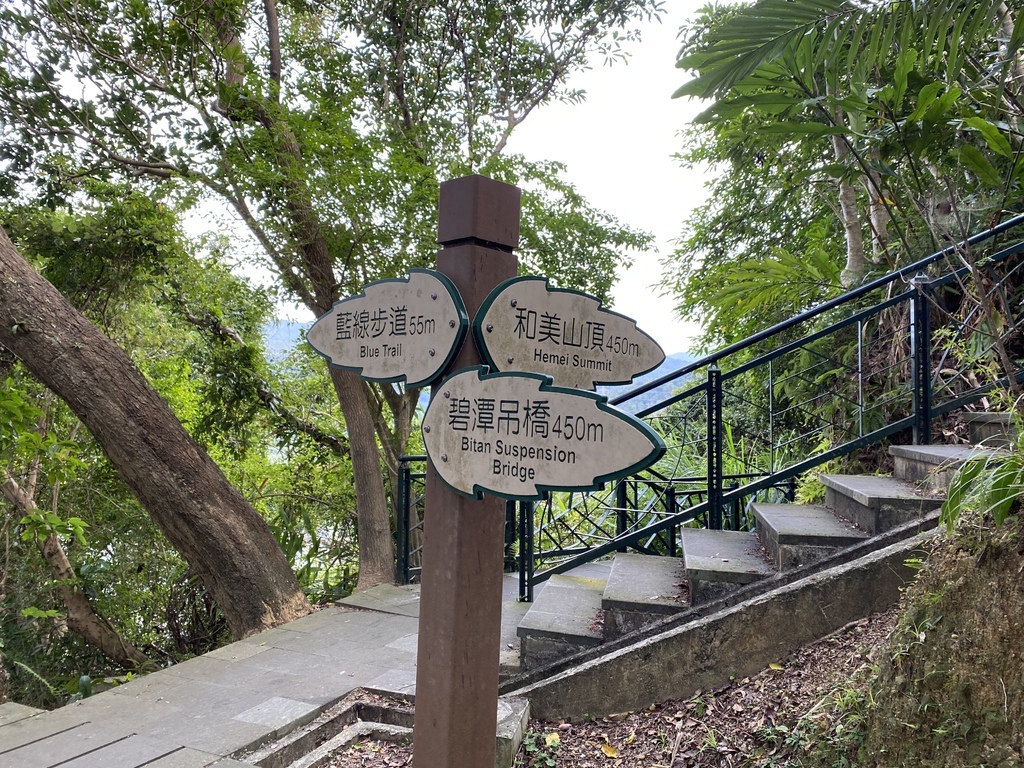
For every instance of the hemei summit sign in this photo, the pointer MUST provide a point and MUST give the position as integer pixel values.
(526, 325)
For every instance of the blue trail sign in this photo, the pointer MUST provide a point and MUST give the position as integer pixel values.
(395, 330)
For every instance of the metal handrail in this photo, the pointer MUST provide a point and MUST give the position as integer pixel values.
(810, 314)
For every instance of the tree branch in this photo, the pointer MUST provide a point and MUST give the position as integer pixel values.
(270, 400)
(274, 44)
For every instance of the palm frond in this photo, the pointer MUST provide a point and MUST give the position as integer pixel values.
(757, 35)
(841, 39)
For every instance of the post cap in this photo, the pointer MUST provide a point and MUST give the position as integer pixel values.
(480, 208)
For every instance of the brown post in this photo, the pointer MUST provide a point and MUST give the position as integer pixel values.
(463, 539)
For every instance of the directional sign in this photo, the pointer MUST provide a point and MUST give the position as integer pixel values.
(526, 325)
(396, 329)
(516, 435)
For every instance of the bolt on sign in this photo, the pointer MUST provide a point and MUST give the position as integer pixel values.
(516, 435)
(400, 328)
(526, 325)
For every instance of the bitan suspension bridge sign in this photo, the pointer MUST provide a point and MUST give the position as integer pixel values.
(515, 435)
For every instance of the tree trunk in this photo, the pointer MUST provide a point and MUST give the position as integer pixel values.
(878, 215)
(854, 271)
(203, 516)
(376, 547)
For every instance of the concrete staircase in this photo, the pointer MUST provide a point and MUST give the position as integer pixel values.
(583, 610)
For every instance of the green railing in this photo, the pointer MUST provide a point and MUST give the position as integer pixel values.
(748, 421)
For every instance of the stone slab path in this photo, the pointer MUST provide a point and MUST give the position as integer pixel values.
(202, 711)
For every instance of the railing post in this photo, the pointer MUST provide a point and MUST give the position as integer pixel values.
(715, 447)
(526, 551)
(670, 508)
(734, 505)
(920, 353)
(621, 515)
(402, 522)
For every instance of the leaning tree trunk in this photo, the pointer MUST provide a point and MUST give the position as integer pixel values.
(203, 516)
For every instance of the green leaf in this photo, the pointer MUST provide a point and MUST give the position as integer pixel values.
(802, 129)
(32, 612)
(924, 100)
(1004, 490)
(959, 489)
(937, 111)
(1016, 37)
(904, 66)
(975, 159)
(994, 137)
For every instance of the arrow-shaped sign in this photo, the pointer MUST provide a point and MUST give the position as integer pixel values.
(396, 329)
(516, 435)
(526, 325)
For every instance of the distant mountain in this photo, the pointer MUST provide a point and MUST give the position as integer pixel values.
(672, 363)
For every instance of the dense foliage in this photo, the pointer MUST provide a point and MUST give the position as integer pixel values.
(878, 130)
(195, 330)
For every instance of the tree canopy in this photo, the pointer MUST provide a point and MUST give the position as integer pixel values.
(325, 128)
(892, 126)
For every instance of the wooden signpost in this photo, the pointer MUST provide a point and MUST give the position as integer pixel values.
(489, 436)
(526, 325)
(463, 539)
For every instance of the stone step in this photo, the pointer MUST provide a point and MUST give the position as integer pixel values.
(717, 562)
(932, 467)
(797, 534)
(641, 590)
(993, 430)
(564, 617)
(876, 503)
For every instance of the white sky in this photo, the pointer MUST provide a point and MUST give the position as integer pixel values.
(618, 147)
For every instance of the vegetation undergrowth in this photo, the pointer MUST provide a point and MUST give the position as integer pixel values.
(947, 688)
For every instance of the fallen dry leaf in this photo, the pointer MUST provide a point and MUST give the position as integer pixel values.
(780, 695)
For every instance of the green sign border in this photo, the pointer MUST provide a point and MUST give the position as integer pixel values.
(658, 447)
(460, 307)
(480, 337)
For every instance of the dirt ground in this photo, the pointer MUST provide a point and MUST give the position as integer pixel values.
(744, 723)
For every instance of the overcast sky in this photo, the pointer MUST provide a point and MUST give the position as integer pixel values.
(618, 148)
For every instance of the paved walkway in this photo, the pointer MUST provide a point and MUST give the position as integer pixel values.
(200, 712)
